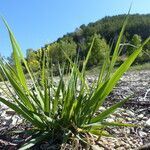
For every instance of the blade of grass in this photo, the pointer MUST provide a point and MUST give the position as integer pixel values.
(21, 112)
(34, 141)
(17, 59)
(119, 72)
(108, 111)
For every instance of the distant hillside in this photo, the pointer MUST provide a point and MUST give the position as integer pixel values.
(105, 30)
(109, 27)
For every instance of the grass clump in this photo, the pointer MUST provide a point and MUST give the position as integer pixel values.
(70, 108)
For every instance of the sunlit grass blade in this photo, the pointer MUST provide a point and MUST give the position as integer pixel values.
(103, 70)
(43, 71)
(18, 90)
(103, 91)
(118, 124)
(117, 46)
(79, 74)
(100, 133)
(87, 57)
(119, 72)
(21, 112)
(108, 111)
(17, 57)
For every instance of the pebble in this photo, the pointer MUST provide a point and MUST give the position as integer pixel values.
(130, 113)
(110, 120)
(147, 123)
(10, 112)
(142, 134)
(102, 108)
(140, 116)
(120, 148)
(96, 147)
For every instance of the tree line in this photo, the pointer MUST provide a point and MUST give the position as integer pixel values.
(106, 32)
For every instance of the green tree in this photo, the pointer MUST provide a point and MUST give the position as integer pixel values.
(69, 47)
(56, 50)
(135, 42)
(53, 52)
(31, 54)
(32, 60)
(98, 50)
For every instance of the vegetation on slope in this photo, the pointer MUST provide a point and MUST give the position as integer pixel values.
(105, 31)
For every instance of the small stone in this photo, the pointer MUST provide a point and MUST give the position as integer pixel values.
(112, 116)
(120, 148)
(120, 110)
(110, 120)
(10, 112)
(127, 146)
(142, 134)
(122, 143)
(102, 108)
(126, 114)
(130, 113)
(127, 130)
(129, 119)
(148, 122)
(14, 121)
(130, 142)
(3, 114)
(144, 118)
(117, 145)
(119, 120)
(112, 145)
(96, 147)
(8, 120)
(140, 116)
(90, 79)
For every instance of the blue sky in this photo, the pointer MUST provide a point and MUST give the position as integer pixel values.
(37, 22)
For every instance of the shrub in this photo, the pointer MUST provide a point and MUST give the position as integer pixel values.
(66, 109)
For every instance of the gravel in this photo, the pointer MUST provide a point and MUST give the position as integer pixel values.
(136, 111)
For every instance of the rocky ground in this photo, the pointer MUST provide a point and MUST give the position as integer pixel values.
(136, 111)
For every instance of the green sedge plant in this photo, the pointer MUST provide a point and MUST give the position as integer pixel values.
(68, 108)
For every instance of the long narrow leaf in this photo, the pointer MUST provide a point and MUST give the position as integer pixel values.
(108, 111)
